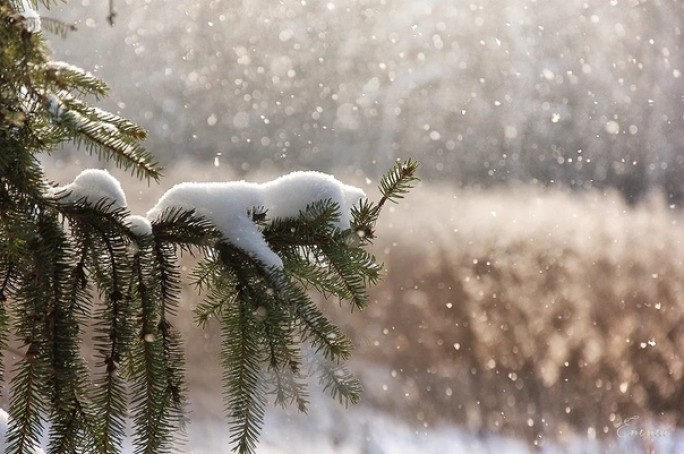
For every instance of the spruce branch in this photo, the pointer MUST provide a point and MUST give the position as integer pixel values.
(72, 80)
(174, 368)
(173, 361)
(26, 403)
(114, 332)
(112, 339)
(313, 325)
(57, 26)
(154, 424)
(183, 229)
(158, 363)
(110, 397)
(34, 302)
(100, 229)
(393, 186)
(342, 385)
(398, 181)
(66, 383)
(127, 128)
(209, 274)
(4, 332)
(323, 256)
(245, 394)
(286, 379)
(102, 133)
(266, 313)
(7, 269)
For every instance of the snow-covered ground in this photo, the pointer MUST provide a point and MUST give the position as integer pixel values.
(331, 429)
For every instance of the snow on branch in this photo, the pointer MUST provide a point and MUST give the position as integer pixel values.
(286, 196)
(92, 186)
(229, 206)
(139, 225)
(29, 14)
(87, 82)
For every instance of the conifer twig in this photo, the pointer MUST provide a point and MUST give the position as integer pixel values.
(398, 181)
(393, 185)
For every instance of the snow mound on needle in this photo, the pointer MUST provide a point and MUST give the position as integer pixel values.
(227, 205)
(92, 186)
(286, 196)
(139, 225)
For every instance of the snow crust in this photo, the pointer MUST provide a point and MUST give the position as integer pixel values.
(227, 205)
(93, 185)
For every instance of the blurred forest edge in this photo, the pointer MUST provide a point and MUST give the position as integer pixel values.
(583, 94)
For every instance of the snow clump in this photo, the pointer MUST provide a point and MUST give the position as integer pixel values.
(227, 205)
(139, 225)
(92, 186)
(31, 17)
(286, 196)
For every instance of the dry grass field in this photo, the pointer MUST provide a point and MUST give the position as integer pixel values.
(529, 312)
(524, 311)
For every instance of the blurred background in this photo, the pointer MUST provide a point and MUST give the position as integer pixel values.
(533, 296)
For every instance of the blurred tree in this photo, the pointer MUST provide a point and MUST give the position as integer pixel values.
(570, 93)
(67, 262)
